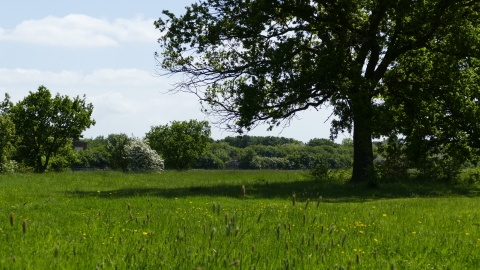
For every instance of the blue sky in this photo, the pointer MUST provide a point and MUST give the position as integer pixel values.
(104, 49)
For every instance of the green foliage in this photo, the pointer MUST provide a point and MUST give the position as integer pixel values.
(244, 141)
(385, 67)
(117, 150)
(44, 124)
(321, 171)
(392, 163)
(96, 154)
(63, 159)
(321, 142)
(180, 143)
(208, 160)
(7, 139)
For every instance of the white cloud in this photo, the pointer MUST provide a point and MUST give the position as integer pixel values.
(115, 103)
(40, 77)
(77, 30)
(122, 77)
(103, 77)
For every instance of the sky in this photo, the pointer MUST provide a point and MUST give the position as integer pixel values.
(105, 51)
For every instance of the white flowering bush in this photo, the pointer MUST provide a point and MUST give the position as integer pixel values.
(141, 158)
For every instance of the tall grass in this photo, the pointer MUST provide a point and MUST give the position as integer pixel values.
(202, 219)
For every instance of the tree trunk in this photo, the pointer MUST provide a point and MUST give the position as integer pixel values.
(363, 170)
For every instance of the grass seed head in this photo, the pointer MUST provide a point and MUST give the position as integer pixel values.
(24, 226)
(344, 239)
(212, 234)
(243, 191)
(237, 230)
(304, 218)
(128, 206)
(306, 205)
(358, 258)
(319, 199)
(12, 219)
(236, 262)
(332, 229)
(294, 199)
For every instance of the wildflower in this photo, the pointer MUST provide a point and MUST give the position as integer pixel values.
(145, 233)
(467, 234)
(375, 239)
(361, 232)
(414, 232)
(384, 215)
(374, 207)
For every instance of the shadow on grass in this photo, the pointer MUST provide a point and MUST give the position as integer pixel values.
(302, 189)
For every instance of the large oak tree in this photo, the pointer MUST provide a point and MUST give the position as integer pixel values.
(263, 61)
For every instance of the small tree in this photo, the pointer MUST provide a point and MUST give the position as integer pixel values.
(116, 147)
(180, 143)
(44, 124)
(141, 158)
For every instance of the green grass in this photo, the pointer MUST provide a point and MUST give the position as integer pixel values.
(199, 219)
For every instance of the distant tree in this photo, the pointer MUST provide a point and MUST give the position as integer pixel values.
(209, 161)
(322, 141)
(180, 143)
(7, 139)
(44, 124)
(7, 132)
(141, 158)
(117, 151)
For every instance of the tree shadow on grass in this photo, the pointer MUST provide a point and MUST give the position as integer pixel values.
(302, 189)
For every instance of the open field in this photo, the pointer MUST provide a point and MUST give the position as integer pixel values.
(200, 219)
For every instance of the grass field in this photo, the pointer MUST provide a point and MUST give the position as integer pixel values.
(201, 220)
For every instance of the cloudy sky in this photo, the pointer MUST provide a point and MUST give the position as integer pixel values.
(104, 50)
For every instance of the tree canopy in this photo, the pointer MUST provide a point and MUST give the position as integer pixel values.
(377, 63)
(44, 124)
(180, 143)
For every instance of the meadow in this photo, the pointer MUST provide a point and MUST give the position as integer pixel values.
(233, 219)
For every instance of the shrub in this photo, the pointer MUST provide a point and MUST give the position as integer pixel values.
(141, 158)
